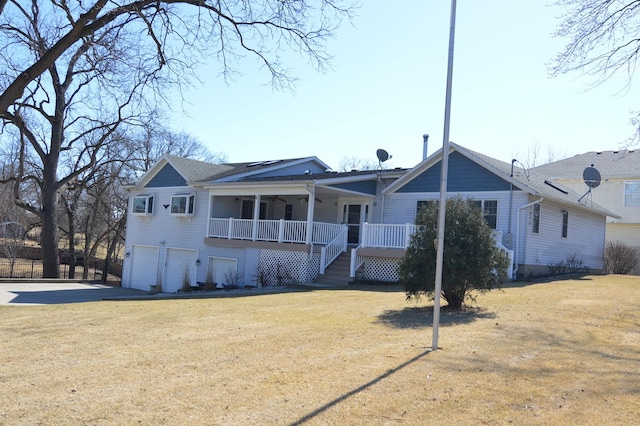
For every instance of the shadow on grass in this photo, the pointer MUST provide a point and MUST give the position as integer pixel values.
(422, 317)
(547, 280)
(359, 389)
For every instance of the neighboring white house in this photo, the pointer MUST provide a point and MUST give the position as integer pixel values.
(295, 220)
(618, 191)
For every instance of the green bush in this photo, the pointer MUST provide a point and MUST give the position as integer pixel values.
(471, 259)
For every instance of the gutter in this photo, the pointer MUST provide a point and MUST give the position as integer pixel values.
(515, 270)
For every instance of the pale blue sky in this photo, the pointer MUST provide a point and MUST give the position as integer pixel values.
(387, 88)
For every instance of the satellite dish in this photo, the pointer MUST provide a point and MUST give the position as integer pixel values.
(382, 155)
(591, 177)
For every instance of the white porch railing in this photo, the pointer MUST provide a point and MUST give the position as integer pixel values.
(332, 250)
(398, 237)
(281, 231)
(387, 236)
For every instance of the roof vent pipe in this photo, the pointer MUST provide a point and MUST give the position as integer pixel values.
(425, 144)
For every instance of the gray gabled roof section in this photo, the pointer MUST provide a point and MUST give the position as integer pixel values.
(610, 164)
(254, 169)
(196, 171)
(530, 181)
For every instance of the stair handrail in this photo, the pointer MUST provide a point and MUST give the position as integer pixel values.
(332, 250)
(356, 261)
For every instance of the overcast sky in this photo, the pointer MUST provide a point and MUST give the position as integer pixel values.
(387, 88)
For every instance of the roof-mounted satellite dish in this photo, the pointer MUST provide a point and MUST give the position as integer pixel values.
(382, 156)
(592, 179)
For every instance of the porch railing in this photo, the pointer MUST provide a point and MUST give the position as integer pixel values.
(281, 231)
(387, 236)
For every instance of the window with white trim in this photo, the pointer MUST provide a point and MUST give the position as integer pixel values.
(535, 218)
(565, 223)
(142, 205)
(183, 204)
(489, 209)
(632, 194)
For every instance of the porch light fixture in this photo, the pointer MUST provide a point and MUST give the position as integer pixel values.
(127, 254)
(197, 262)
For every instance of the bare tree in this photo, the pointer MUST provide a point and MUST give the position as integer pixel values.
(72, 74)
(353, 162)
(604, 40)
(152, 141)
(537, 155)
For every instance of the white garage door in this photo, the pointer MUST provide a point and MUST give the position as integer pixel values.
(181, 266)
(144, 267)
(223, 270)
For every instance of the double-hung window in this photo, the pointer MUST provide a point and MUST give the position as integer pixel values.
(489, 209)
(632, 194)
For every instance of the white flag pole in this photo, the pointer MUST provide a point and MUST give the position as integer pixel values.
(443, 182)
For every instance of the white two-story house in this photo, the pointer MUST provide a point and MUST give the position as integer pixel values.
(294, 220)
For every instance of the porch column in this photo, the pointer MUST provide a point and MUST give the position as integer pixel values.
(256, 217)
(310, 209)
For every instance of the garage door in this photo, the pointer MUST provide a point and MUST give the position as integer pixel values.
(181, 266)
(223, 270)
(144, 267)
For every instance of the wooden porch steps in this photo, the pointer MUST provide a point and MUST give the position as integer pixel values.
(338, 272)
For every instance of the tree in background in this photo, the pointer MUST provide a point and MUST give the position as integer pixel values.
(604, 40)
(73, 74)
(471, 259)
(353, 162)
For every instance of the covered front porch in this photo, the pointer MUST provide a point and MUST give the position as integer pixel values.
(295, 217)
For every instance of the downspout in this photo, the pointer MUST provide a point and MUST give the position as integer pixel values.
(382, 196)
(511, 200)
(515, 256)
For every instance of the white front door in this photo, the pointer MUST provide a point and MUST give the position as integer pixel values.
(354, 214)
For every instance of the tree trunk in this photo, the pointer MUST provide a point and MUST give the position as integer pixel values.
(49, 234)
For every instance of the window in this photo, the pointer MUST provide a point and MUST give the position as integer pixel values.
(183, 204)
(142, 205)
(535, 220)
(422, 204)
(632, 194)
(489, 209)
(565, 223)
(288, 211)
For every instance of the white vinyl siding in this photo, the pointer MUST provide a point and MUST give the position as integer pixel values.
(586, 235)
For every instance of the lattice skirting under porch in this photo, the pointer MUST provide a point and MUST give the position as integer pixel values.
(280, 267)
(380, 269)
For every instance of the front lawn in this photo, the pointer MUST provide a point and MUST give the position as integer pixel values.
(564, 352)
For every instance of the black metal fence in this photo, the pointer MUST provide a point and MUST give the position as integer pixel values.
(28, 268)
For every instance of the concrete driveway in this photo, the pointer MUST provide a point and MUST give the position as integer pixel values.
(48, 293)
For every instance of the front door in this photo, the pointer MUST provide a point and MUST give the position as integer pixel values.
(352, 217)
(247, 210)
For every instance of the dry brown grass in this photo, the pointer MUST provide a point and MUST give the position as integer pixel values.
(565, 352)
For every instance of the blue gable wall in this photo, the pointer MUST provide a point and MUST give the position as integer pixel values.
(366, 187)
(167, 176)
(464, 176)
